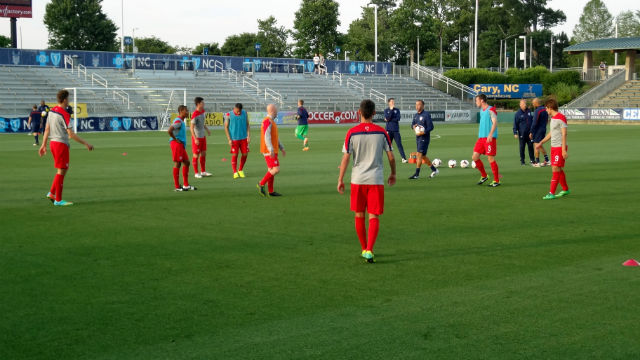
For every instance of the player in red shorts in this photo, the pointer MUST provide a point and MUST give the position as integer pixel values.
(198, 139)
(59, 131)
(236, 127)
(269, 145)
(367, 143)
(178, 133)
(559, 150)
(487, 143)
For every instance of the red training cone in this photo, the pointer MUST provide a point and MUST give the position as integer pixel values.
(224, 159)
(631, 262)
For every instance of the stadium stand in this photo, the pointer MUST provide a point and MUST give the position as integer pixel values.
(626, 96)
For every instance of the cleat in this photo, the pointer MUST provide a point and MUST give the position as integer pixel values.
(535, 164)
(547, 163)
(236, 175)
(494, 184)
(563, 193)
(261, 190)
(414, 176)
(50, 196)
(363, 252)
(62, 203)
(241, 173)
(522, 163)
(368, 255)
(482, 180)
(35, 144)
(189, 187)
(549, 196)
(205, 174)
(198, 176)
(434, 173)
(275, 194)
(178, 189)
(404, 161)
(306, 148)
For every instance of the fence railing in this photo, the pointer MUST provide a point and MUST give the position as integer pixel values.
(355, 84)
(443, 83)
(337, 76)
(97, 79)
(598, 92)
(373, 93)
(82, 70)
(246, 82)
(218, 65)
(270, 93)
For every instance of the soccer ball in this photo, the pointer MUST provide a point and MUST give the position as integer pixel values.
(419, 130)
(436, 162)
(473, 164)
(464, 164)
(44, 113)
(452, 163)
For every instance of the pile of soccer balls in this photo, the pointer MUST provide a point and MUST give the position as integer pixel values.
(453, 163)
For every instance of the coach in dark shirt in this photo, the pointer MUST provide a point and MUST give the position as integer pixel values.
(522, 128)
(392, 118)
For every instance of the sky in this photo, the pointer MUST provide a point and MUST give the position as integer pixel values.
(199, 21)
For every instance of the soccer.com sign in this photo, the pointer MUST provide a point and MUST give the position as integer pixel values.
(337, 117)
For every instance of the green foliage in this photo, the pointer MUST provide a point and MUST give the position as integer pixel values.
(564, 93)
(5, 42)
(272, 38)
(79, 25)
(239, 45)
(596, 22)
(476, 76)
(628, 24)
(153, 45)
(316, 28)
(214, 49)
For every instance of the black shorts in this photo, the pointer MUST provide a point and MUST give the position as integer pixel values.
(422, 144)
(35, 126)
(537, 137)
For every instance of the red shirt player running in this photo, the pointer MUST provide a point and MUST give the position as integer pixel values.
(367, 142)
(269, 145)
(198, 139)
(559, 150)
(60, 132)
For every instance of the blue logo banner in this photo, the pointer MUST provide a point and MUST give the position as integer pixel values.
(20, 125)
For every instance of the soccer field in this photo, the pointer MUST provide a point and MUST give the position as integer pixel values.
(136, 271)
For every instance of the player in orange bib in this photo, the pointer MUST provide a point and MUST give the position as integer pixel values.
(269, 146)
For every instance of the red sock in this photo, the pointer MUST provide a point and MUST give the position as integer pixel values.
(54, 185)
(563, 181)
(176, 172)
(243, 160)
(195, 164)
(185, 175)
(362, 232)
(203, 160)
(480, 167)
(271, 184)
(374, 226)
(59, 187)
(234, 163)
(494, 170)
(555, 176)
(266, 178)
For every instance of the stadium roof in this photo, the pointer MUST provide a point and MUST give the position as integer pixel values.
(613, 44)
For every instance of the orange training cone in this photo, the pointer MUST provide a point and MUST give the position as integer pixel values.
(630, 262)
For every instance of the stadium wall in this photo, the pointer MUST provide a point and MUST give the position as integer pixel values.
(97, 59)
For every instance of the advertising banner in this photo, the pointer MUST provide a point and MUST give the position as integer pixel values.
(595, 114)
(631, 114)
(508, 91)
(20, 125)
(458, 115)
(333, 117)
(15, 8)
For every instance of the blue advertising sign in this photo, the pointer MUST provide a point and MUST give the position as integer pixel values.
(206, 50)
(338, 49)
(508, 91)
(258, 46)
(19, 125)
(128, 40)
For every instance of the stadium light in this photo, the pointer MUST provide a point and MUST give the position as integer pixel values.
(345, 55)
(475, 40)
(133, 40)
(122, 28)
(376, 28)
(525, 49)
(551, 62)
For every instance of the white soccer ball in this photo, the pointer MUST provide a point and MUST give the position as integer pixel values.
(44, 113)
(473, 164)
(453, 163)
(436, 162)
(419, 130)
(464, 164)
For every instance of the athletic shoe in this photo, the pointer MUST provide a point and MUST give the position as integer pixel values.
(275, 194)
(241, 173)
(542, 164)
(404, 161)
(368, 255)
(547, 163)
(483, 180)
(363, 252)
(535, 164)
(205, 174)
(549, 196)
(522, 163)
(236, 175)
(189, 187)
(494, 184)
(198, 176)
(563, 193)
(414, 176)
(261, 190)
(62, 203)
(50, 196)
(305, 148)
(434, 173)
(35, 144)
(179, 189)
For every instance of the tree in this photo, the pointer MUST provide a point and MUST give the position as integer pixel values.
(240, 45)
(596, 22)
(79, 25)
(628, 24)
(214, 49)
(272, 38)
(316, 28)
(153, 45)
(360, 39)
(5, 42)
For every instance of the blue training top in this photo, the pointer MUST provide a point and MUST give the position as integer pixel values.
(179, 131)
(486, 123)
(238, 125)
(393, 118)
(303, 116)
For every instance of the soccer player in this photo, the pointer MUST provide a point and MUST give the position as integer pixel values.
(178, 133)
(559, 150)
(302, 129)
(392, 118)
(236, 126)
(60, 132)
(487, 140)
(538, 131)
(44, 111)
(423, 118)
(269, 145)
(521, 130)
(367, 142)
(34, 123)
(198, 139)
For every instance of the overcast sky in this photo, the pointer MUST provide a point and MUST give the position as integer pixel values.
(190, 22)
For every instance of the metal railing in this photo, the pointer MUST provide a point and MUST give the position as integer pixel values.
(124, 96)
(251, 83)
(82, 70)
(274, 95)
(337, 75)
(95, 78)
(373, 93)
(598, 92)
(351, 83)
(218, 65)
(442, 83)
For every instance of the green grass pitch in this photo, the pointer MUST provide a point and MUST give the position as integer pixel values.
(136, 271)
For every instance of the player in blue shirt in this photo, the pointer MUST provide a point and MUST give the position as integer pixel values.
(539, 131)
(521, 130)
(34, 123)
(44, 111)
(236, 126)
(302, 129)
(178, 133)
(422, 119)
(392, 118)
(487, 140)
